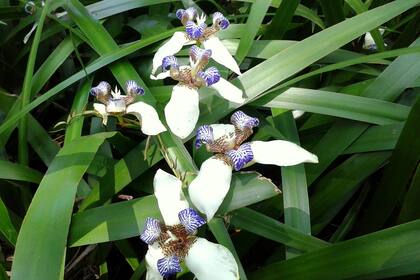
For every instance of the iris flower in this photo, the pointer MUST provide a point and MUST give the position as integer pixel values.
(182, 110)
(197, 32)
(209, 188)
(112, 102)
(174, 241)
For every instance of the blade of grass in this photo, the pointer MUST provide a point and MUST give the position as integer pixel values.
(333, 11)
(388, 253)
(281, 20)
(294, 186)
(255, 19)
(410, 208)
(15, 171)
(262, 225)
(397, 174)
(45, 227)
(7, 229)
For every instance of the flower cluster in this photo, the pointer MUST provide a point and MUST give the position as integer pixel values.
(174, 241)
(182, 110)
(210, 187)
(197, 32)
(113, 103)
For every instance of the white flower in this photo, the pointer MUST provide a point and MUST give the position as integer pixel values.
(209, 188)
(196, 31)
(115, 104)
(174, 241)
(182, 110)
(369, 43)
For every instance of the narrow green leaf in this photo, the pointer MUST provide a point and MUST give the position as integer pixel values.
(7, 229)
(388, 253)
(45, 227)
(410, 208)
(397, 174)
(15, 171)
(333, 11)
(281, 20)
(252, 221)
(255, 19)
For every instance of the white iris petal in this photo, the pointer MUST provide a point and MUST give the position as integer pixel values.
(161, 76)
(281, 153)
(101, 109)
(209, 261)
(221, 54)
(210, 187)
(148, 117)
(154, 253)
(228, 91)
(182, 110)
(171, 47)
(171, 200)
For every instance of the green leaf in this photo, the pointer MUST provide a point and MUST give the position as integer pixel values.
(255, 19)
(15, 171)
(388, 253)
(281, 20)
(333, 11)
(340, 105)
(7, 229)
(45, 227)
(257, 223)
(410, 206)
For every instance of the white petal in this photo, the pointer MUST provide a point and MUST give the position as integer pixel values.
(147, 115)
(228, 91)
(152, 256)
(210, 261)
(171, 47)
(221, 54)
(101, 109)
(210, 187)
(297, 113)
(171, 200)
(161, 76)
(182, 110)
(281, 153)
(224, 130)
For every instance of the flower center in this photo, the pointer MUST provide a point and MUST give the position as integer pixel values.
(175, 241)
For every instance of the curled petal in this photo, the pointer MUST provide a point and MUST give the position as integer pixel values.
(171, 47)
(101, 109)
(161, 76)
(103, 88)
(221, 54)
(147, 115)
(168, 62)
(154, 253)
(228, 91)
(190, 219)
(204, 135)
(182, 110)
(195, 31)
(241, 156)
(210, 187)
(133, 88)
(169, 195)
(197, 54)
(151, 231)
(209, 261)
(223, 130)
(211, 76)
(281, 153)
(242, 120)
(220, 20)
(168, 266)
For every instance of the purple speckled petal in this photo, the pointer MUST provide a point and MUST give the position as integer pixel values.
(169, 266)
(211, 75)
(151, 231)
(219, 19)
(204, 136)
(193, 30)
(241, 156)
(168, 62)
(103, 88)
(242, 120)
(133, 88)
(190, 219)
(197, 53)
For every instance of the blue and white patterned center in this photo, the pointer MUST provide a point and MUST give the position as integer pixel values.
(190, 219)
(169, 266)
(241, 156)
(151, 231)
